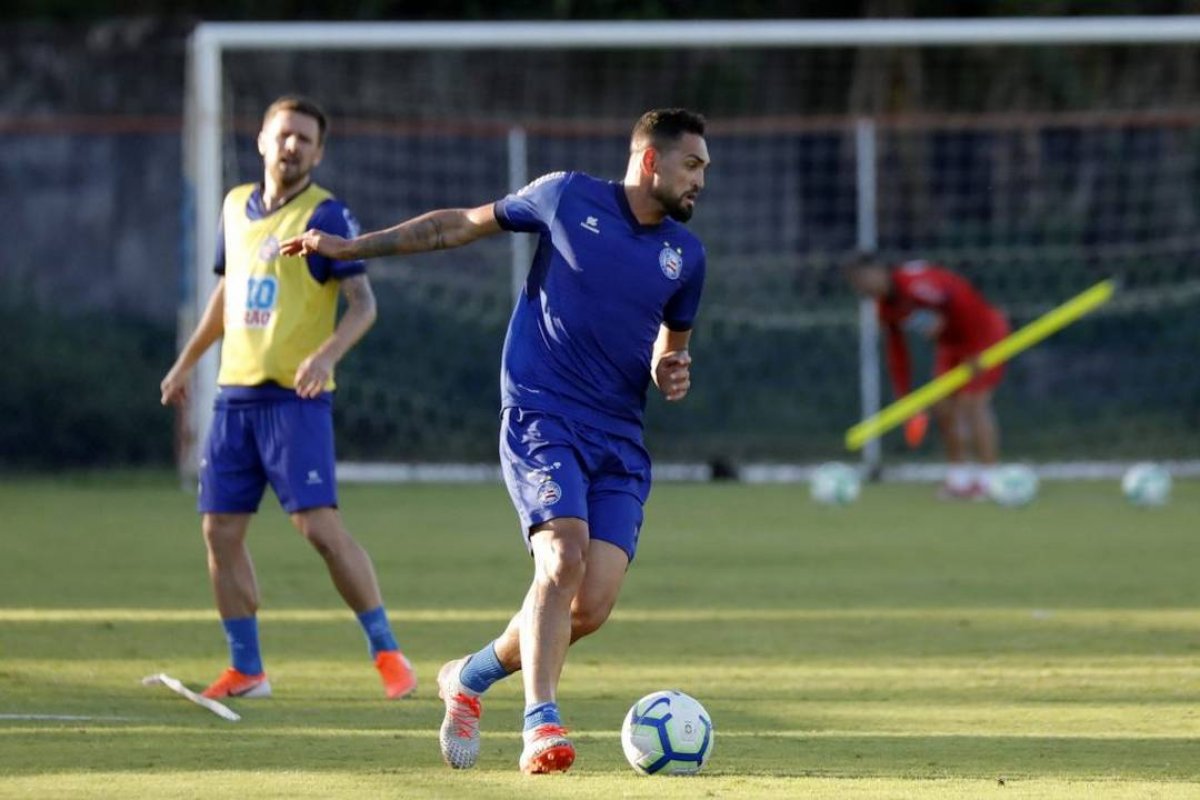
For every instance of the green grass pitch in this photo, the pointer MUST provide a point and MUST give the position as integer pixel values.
(900, 647)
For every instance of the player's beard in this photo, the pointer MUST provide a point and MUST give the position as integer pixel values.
(674, 206)
(289, 175)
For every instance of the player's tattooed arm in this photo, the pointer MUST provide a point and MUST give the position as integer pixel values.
(436, 230)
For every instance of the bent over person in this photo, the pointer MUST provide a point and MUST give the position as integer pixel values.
(931, 301)
(273, 417)
(608, 306)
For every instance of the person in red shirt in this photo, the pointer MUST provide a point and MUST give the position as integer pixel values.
(931, 301)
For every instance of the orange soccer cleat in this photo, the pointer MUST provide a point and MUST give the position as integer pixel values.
(232, 683)
(399, 680)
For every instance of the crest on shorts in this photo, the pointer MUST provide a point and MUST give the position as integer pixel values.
(670, 261)
(549, 493)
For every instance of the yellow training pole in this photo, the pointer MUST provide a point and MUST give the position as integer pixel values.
(950, 382)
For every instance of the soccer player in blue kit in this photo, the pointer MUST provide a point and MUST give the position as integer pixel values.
(607, 307)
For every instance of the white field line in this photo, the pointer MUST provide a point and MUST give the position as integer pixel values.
(1071, 616)
(63, 718)
(691, 472)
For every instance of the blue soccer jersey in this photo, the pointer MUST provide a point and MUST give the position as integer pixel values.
(582, 334)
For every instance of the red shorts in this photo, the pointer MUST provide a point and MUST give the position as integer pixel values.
(948, 356)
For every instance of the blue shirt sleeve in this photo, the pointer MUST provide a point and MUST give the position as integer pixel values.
(332, 216)
(532, 209)
(681, 310)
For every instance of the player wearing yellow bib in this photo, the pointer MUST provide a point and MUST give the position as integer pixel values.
(273, 418)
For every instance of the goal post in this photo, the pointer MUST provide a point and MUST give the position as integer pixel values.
(813, 155)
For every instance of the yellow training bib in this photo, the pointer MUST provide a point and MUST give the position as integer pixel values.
(276, 313)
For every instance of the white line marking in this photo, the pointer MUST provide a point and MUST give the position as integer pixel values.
(63, 718)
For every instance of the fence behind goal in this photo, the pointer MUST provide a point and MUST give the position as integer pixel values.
(1035, 169)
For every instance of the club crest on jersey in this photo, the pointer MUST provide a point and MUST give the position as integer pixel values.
(549, 493)
(670, 261)
(269, 249)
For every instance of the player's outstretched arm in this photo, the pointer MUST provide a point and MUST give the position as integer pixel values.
(314, 371)
(436, 230)
(210, 328)
(671, 364)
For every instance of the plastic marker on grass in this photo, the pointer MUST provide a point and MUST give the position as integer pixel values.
(950, 382)
(220, 709)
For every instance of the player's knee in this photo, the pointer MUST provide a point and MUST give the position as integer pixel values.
(329, 544)
(561, 563)
(324, 533)
(222, 532)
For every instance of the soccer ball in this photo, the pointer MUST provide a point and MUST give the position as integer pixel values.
(1147, 484)
(835, 484)
(1012, 484)
(667, 733)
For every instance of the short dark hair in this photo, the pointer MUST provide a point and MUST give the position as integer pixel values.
(860, 260)
(659, 126)
(301, 105)
(863, 258)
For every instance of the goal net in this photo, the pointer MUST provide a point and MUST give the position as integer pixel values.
(1035, 157)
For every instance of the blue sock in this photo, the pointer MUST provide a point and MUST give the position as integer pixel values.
(482, 669)
(378, 631)
(542, 714)
(242, 635)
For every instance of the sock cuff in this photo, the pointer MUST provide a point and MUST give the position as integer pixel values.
(544, 713)
(242, 636)
(482, 669)
(378, 630)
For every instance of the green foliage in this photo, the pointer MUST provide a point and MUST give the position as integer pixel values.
(82, 391)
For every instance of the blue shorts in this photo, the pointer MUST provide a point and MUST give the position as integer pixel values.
(287, 442)
(555, 467)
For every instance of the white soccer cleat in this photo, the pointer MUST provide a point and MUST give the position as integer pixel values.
(547, 749)
(459, 734)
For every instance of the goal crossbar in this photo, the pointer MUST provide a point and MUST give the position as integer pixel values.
(714, 33)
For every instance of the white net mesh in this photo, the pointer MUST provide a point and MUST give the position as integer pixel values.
(1035, 171)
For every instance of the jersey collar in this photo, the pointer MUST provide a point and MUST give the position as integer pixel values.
(256, 210)
(627, 211)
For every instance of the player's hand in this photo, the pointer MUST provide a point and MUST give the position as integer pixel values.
(314, 241)
(915, 428)
(673, 375)
(312, 375)
(174, 387)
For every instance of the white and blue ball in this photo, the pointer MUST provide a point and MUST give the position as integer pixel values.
(835, 484)
(1012, 484)
(1147, 484)
(667, 733)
